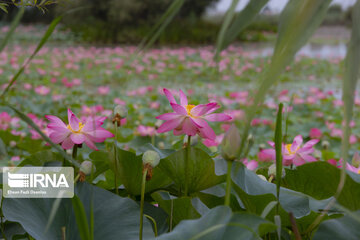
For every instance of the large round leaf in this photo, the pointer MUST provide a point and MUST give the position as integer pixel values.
(345, 228)
(180, 208)
(130, 168)
(221, 223)
(114, 217)
(320, 180)
(42, 158)
(201, 170)
(251, 184)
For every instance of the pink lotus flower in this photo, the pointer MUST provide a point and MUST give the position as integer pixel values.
(5, 119)
(15, 158)
(103, 90)
(294, 153)
(77, 132)
(266, 155)
(42, 90)
(213, 143)
(146, 130)
(251, 165)
(352, 168)
(190, 119)
(315, 133)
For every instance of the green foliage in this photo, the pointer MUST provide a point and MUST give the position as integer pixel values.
(109, 20)
(114, 217)
(201, 170)
(234, 24)
(221, 223)
(130, 168)
(306, 179)
(304, 192)
(335, 229)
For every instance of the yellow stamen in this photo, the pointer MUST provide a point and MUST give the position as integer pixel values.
(358, 171)
(81, 125)
(288, 147)
(188, 109)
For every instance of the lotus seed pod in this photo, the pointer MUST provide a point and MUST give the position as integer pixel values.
(121, 110)
(86, 167)
(231, 144)
(151, 157)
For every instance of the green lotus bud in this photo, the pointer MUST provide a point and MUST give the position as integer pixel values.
(151, 157)
(272, 171)
(161, 145)
(250, 139)
(86, 167)
(231, 144)
(158, 123)
(121, 111)
(325, 145)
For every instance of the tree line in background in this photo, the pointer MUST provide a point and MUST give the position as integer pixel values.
(123, 21)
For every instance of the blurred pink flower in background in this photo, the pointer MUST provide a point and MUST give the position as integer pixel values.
(42, 90)
(251, 165)
(15, 158)
(118, 101)
(77, 81)
(338, 103)
(315, 133)
(266, 155)
(213, 143)
(146, 130)
(27, 86)
(190, 119)
(58, 97)
(103, 90)
(154, 105)
(5, 119)
(41, 71)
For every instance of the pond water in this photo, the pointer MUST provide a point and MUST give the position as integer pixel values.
(314, 50)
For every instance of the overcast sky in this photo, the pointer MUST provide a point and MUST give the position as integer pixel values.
(275, 5)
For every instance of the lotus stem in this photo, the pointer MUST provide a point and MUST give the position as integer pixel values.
(77, 178)
(143, 182)
(115, 160)
(187, 173)
(74, 151)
